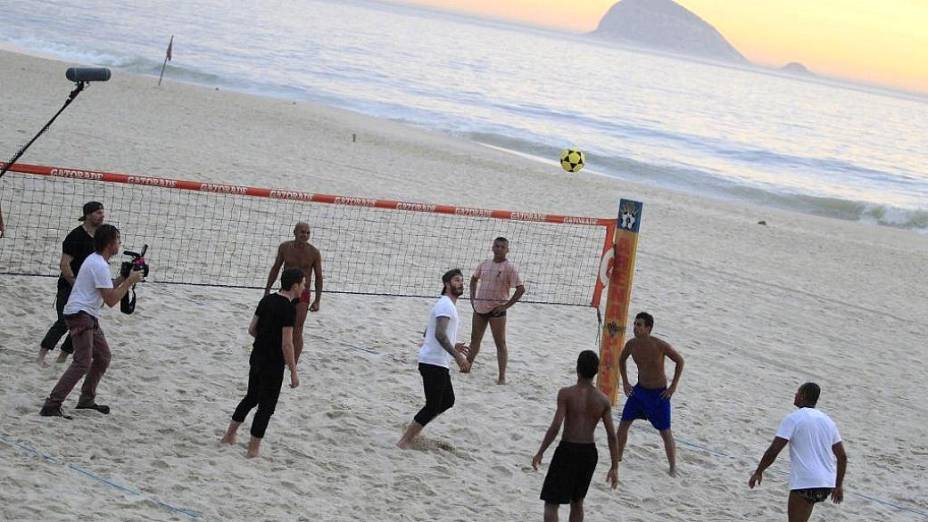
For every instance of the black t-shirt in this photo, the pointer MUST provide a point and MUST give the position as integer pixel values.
(78, 244)
(275, 312)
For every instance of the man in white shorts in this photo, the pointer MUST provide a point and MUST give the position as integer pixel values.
(814, 446)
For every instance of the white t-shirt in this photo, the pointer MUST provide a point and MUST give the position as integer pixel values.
(85, 296)
(431, 351)
(811, 434)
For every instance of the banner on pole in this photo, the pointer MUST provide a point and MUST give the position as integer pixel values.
(618, 296)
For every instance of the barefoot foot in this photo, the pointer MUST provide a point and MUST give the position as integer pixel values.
(40, 360)
(254, 445)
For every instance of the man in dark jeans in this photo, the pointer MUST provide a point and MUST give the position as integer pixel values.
(76, 247)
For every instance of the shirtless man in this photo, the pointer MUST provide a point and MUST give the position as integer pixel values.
(571, 470)
(298, 253)
(650, 398)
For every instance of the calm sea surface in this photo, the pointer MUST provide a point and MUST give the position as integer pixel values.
(807, 145)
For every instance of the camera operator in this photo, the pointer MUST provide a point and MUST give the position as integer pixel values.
(93, 288)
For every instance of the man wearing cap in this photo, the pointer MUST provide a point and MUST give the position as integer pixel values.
(76, 247)
(438, 348)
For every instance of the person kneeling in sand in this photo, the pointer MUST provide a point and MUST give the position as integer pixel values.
(272, 328)
(650, 398)
(581, 406)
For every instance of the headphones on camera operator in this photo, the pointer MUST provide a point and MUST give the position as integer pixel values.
(127, 304)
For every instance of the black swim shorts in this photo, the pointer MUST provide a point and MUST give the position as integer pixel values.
(814, 495)
(490, 315)
(570, 473)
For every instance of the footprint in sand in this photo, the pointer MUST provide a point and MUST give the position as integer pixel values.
(502, 470)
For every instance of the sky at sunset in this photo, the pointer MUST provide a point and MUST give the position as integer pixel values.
(882, 42)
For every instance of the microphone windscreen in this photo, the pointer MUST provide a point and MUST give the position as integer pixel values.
(87, 74)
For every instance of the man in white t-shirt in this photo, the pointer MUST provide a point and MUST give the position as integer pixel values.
(491, 300)
(814, 446)
(93, 287)
(439, 346)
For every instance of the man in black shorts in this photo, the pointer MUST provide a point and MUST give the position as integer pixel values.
(580, 408)
(272, 328)
(816, 455)
(76, 247)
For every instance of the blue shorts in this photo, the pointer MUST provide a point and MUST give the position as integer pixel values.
(648, 404)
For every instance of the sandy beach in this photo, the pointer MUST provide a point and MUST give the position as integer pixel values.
(755, 310)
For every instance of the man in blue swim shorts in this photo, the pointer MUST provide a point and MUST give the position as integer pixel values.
(650, 398)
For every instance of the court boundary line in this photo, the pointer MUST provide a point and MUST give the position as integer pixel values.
(6, 439)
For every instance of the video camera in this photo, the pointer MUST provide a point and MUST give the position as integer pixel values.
(127, 303)
(137, 263)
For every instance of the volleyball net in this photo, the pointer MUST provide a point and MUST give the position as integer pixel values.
(222, 235)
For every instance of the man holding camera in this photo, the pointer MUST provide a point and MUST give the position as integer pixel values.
(93, 287)
(76, 247)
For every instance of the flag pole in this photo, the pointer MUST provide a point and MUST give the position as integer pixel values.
(167, 56)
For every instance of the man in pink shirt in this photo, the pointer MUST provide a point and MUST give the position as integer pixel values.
(491, 300)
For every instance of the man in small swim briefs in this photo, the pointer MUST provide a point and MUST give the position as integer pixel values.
(580, 408)
(650, 398)
(490, 301)
(813, 438)
(299, 253)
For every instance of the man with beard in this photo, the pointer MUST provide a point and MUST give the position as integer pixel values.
(438, 348)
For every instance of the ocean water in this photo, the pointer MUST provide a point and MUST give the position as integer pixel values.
(813, 146)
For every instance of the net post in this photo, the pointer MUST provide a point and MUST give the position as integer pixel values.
(618, 296)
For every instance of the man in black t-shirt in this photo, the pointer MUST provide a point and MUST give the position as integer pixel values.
(272, 328)
(76, 247)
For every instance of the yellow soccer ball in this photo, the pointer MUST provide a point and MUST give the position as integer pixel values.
(571, 160)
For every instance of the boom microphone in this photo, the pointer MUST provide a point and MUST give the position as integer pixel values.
(87, 74)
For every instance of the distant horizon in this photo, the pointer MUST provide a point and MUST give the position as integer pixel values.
(861, 49)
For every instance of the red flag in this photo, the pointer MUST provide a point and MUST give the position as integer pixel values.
(170, 48)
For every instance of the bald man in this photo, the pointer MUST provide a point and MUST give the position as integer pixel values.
(299, 253)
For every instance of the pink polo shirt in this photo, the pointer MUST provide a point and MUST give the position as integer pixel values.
(494, 281)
